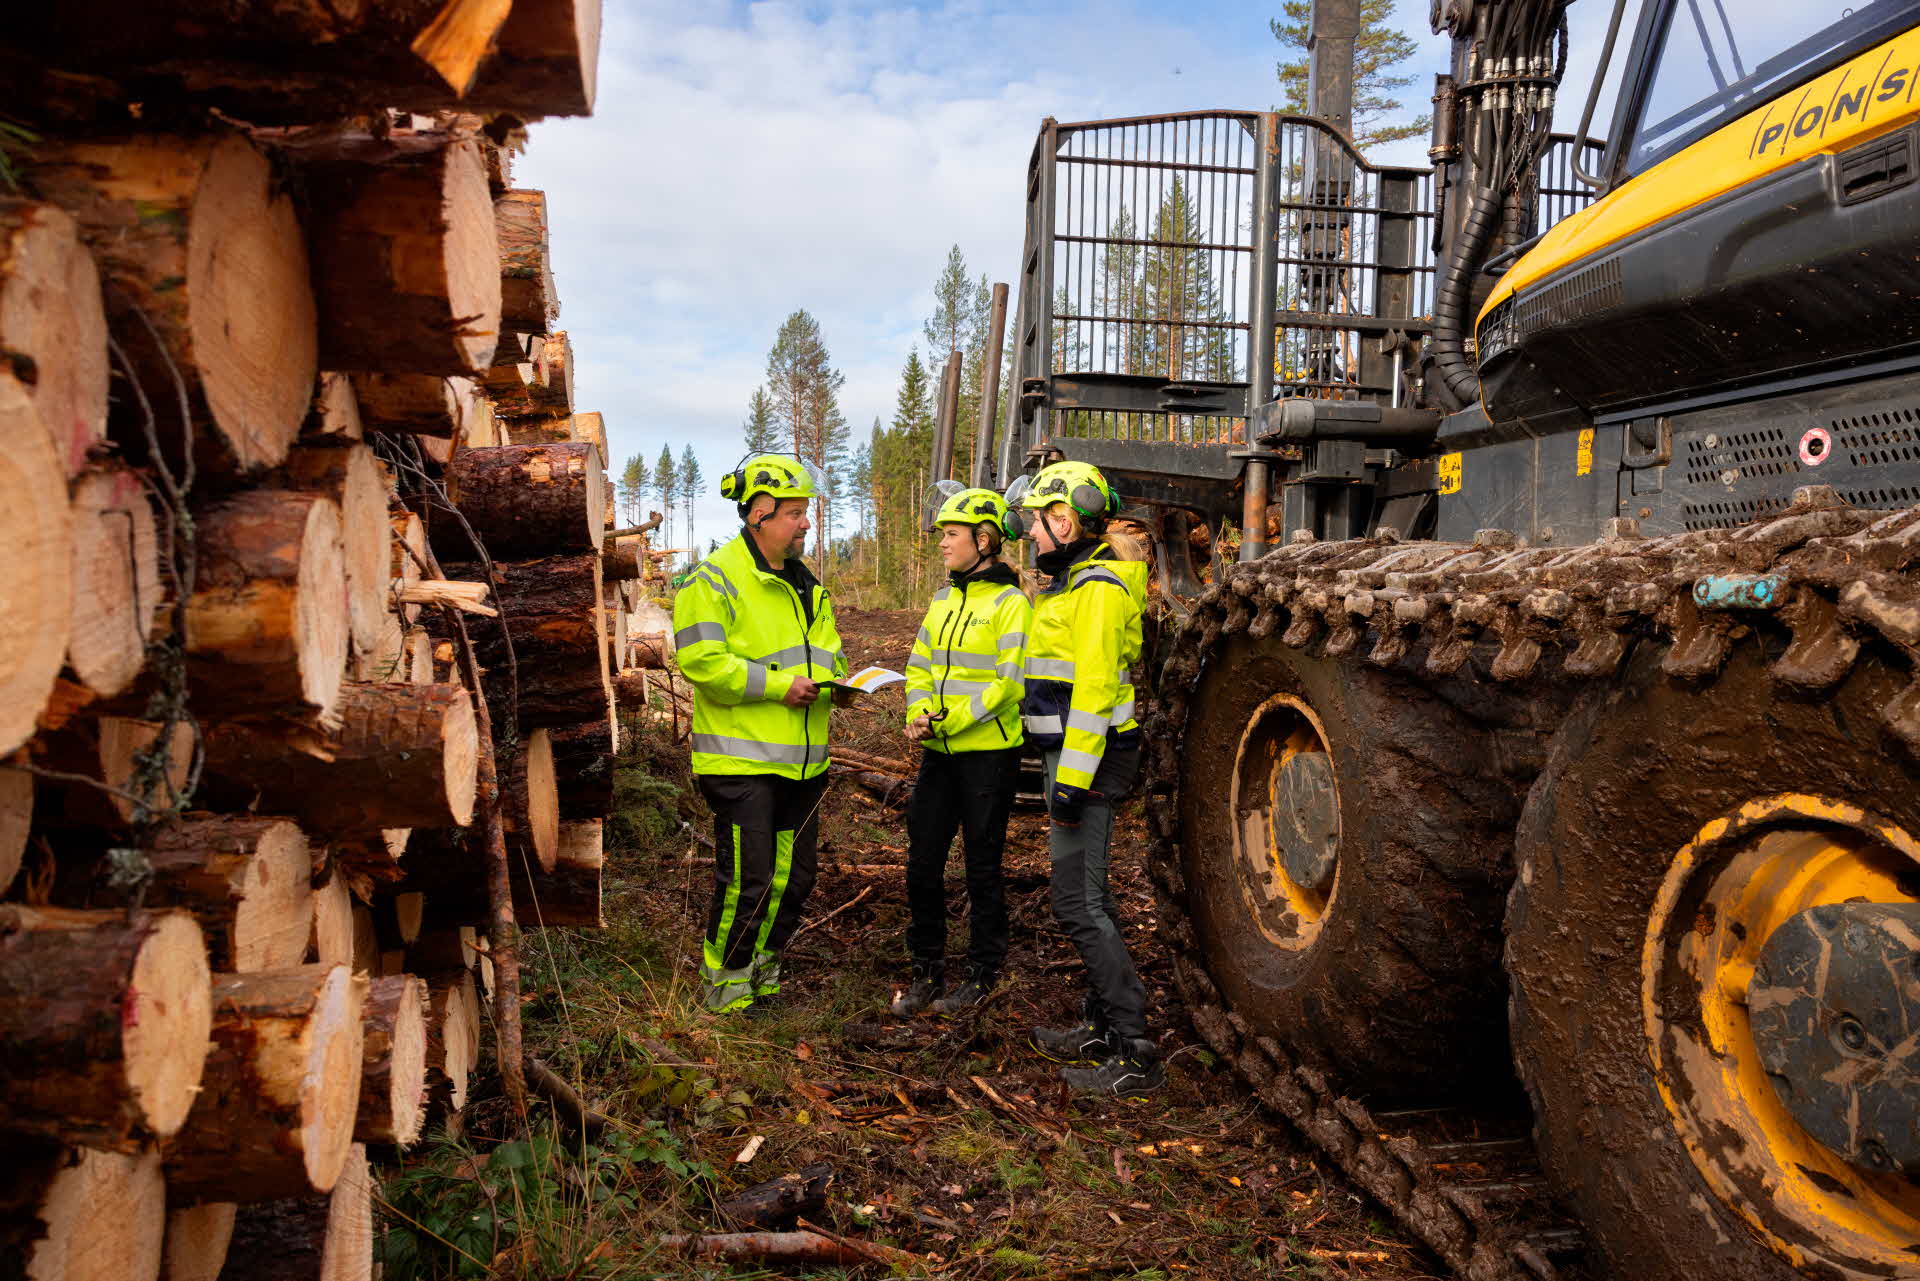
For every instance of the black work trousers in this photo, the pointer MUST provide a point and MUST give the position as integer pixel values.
(972, 793)
(1083, 901)
(766, 854)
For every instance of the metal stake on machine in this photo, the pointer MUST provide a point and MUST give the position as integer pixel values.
(944, 414)
(982, 475)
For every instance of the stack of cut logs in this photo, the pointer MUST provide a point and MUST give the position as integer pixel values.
(300, 510)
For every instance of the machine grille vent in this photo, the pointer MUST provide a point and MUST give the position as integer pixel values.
(1581, 294)
(1874, 440)
(1765, 451)
(1729, 512)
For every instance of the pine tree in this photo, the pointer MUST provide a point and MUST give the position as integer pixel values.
(1379, 49)
(762, 435)
(691, 478)
(666, 484)
(804, 388)
(633, 489)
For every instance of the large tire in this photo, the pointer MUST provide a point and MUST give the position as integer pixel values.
(1637, 773)
(1399, 994)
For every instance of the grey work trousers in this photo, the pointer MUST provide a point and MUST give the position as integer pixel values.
(1083, 902)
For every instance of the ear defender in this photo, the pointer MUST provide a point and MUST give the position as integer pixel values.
(1089, 501)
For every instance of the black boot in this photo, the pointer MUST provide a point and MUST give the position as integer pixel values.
(1082, 1042)
(1131, 1070)
(970, 995)
(923, 991)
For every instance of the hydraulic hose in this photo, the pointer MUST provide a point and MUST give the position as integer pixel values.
(1457, 371)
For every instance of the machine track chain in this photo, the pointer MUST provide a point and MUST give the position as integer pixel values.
(1464, 1178)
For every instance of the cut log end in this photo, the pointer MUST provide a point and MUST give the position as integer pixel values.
(51, 313)
(168, 1011)
(34, 529)
(394, 1079)
(197, 1240)
(104, 1214)
(116, 579)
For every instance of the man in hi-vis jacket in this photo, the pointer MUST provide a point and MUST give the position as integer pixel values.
(754, 635)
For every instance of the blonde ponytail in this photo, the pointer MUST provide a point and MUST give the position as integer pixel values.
(1123, 542)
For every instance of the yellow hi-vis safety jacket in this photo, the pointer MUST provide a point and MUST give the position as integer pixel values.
(742, 635)
(967, 663)
(1084, 641)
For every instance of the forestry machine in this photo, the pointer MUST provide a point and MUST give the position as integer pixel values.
(1536, 801)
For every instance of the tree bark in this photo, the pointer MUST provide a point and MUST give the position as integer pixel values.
(103, 1023)
(630, 689)
(312, 1238)
(353, 478)
(267, 626)
(16, 819)
(403, 756)
(76, 1214)
(116, 578)
(525, 500)
(196, 235)
(405, 259)
(393, 1078)
(528, 299)
(778, 1202)
(36, 530)
(275, 1113)
(248, 881)
(197, 1241)
(583, 766)
(547, 605)
(52, 319)
(408, 404)
(621, 563)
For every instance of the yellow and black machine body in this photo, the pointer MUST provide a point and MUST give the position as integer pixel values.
(1535, 761)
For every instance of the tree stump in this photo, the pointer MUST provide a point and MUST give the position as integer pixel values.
(275, 1112)
(393, 1078)
(51, 314)
(36, 530)
(195, 235)
(268, 624)
(405, 259)
(103, 1023)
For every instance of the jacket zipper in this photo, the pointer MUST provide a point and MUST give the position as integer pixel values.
(940, 694)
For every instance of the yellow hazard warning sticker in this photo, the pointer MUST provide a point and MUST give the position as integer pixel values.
(1449, 473)
(1583, 460)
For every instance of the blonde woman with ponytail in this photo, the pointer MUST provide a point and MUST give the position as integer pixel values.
(1080, 714)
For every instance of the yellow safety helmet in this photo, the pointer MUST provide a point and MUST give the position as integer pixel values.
(976, 507)
(781, 475)
(1079, 485)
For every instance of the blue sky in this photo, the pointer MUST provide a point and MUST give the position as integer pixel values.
(748, 159)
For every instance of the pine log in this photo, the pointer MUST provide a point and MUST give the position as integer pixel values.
(583, 768)
(79, 1214)
(404, 252)
(197, 1241)
(248, 881)
(532, 812)
(453, 1036)
(335, 413)
(201, 249)
(36, 530)
(372, 860)
(267, 626)
(539, 431)
(562, 695)
(409, 404)
(16, 819)
(103, 1023)
(630, 689)
(620, 563)
(396, 918)
(525, 500)
(549, 394)
(570, 894)
(116, 578)
(547, 606)
(331, 941)
(444, 950)
(141, 779)
(366, 946)
(352, 477)
(393, 1078)
(765, 1248)
(53, 326)
(275, 1112)
(507, 380)
(402, 756)
(313, 1238)
(386, 659)
(409, 559)
(480, 429)
(528, 299)
(419, 664)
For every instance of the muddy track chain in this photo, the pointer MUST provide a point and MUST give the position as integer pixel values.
(1464, 1178)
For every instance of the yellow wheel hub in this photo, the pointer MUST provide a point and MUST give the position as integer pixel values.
(1284, 794)
(1726, 892)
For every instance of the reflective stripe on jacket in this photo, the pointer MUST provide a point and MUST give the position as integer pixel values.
(967, 662)
(1084, 640)
(741, 638)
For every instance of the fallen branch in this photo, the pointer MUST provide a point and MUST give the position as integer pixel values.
(776, 1203)
(864, 761)
(772, 1247)
(573, 1110)
(1024, 1115)
(878, 1253)
(822, 920)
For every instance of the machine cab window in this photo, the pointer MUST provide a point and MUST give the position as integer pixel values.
(1710, 61)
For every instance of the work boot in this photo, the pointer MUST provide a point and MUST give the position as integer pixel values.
(970, 995)
(1082, 1042)
(1132, 1070)
(922, 992)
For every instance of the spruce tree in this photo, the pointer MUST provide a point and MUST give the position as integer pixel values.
(666, 483)
(1378, 50)
(633, 489)
(762, 434)
(691, 478)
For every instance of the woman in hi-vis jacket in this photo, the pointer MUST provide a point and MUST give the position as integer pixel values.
(963, 708)
(1083, 643)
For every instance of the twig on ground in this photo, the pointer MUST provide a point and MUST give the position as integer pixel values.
(822, 920)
